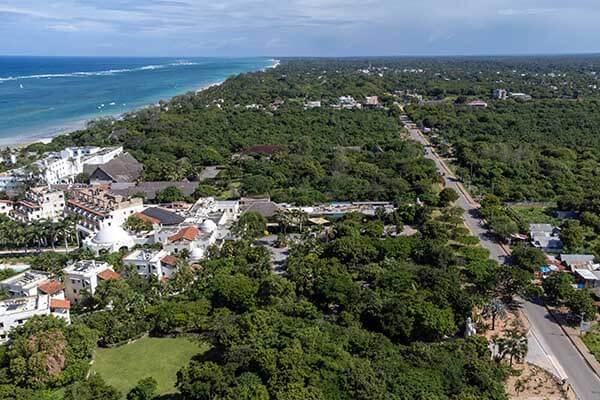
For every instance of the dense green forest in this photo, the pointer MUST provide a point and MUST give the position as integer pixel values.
(537, 150)
(519, 147)
(359, 314)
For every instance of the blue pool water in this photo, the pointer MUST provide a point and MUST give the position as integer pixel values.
(42, 96)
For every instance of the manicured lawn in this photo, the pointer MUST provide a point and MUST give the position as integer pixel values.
(161, 358)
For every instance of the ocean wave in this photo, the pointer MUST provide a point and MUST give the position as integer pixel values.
(96, 73)
(183, 63)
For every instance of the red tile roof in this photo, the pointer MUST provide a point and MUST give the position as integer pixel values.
(169, 260)
(60, 303)
(108, 274)
(28, 204)
(188, 233)
(51, 287)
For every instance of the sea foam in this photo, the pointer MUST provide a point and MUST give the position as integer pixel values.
(97, 73)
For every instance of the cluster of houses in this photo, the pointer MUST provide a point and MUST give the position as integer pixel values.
(347, 103)
(101, 164)
(499, 94)
(172, 232)
(583, 267)
(31, 293)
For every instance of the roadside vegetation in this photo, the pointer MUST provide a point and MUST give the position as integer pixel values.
(359, 312)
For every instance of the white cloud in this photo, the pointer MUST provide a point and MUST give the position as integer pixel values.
(319, 27)
(527, 11)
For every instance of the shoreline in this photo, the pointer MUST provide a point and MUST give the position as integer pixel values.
(75, 125)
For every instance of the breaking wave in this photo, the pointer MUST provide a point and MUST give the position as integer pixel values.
(98, 73)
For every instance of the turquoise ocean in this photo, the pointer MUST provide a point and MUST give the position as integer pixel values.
(41, 97)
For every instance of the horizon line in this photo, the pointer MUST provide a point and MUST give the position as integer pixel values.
(408, 55)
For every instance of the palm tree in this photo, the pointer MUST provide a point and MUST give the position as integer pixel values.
(494, 309)
(514, 344)
(70, 228)
(64, 227)
(17, 237)
(37, 234)
(284, 219)
(299, 218)
(49, 232)
(380, 213)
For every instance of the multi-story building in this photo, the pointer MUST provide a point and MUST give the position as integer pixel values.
(348, 102)
(500, 94)
(64, 166)
(10, 180)
(39, 203)
(98, 208)
(83, 277)
(15, 312)
(25, 284)
(156, 263)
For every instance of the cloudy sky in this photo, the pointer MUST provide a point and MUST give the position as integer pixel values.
(298, 27)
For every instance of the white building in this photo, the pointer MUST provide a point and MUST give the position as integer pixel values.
(25, 284)
(98, 208)
(521, 96)
(10, 181)
(157, 263)
(348, 102)
(64, 166)
(15, 312)
(372, 101)
(39, 203)
(223, 211)
(195, 241)
(84, 276)
(312, 104)
(6, 206)
(109, 239)
(500, 94)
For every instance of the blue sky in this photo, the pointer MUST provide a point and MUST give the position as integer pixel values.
(297, 27)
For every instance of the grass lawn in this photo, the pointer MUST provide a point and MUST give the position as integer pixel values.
(161, 358)
(592, 341)
(535, 215)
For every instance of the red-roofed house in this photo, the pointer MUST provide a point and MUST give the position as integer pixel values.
(109, 275)
(189, 233)
(189, 238)
(60, 308)
(53, 288)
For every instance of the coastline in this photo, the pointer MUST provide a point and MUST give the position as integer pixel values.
(75, 125)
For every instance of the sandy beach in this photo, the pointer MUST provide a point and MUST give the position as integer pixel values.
(47, 133)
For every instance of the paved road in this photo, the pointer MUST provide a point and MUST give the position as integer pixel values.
(561, 357)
